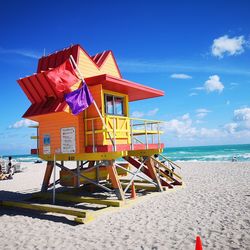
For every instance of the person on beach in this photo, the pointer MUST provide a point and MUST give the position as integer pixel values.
(156, 156)
(234, 158)
(4, 176)
(10, 167)
(10, 171)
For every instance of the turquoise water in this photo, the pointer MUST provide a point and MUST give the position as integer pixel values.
(201, 153)
(209, 153)
(23, 158)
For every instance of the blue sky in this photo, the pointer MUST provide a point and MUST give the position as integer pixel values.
(196, 51)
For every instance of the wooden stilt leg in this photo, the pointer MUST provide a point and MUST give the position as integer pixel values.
(47, 175)
(91, 164)
(115, 181)
(152, 172)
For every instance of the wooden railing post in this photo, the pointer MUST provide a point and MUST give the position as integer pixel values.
(93, 135)
(158, 132)
(131, 135)
(114, 134)
(146, 134)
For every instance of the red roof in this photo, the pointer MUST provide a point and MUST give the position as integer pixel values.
(55, 59)
(38, 88)
(135, 91)
(46, 99)
(100, 57)
(51, 105)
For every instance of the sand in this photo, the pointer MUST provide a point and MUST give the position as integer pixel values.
(215, 204)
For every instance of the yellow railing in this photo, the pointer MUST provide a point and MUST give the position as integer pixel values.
(123, 128)
(145, 130)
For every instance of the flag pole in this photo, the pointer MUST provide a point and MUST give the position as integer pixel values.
(97, 109)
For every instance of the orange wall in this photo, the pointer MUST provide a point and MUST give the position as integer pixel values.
(52, 123)
(97, 94)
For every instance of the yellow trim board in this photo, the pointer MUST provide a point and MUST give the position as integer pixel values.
(82, 216)
(79, 199)
(46, 208)
(144, 152)
(100, 155)
(84, 156)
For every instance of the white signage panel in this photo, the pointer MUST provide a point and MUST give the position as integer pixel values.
(46, 150)
(46, 144)
(68, 140)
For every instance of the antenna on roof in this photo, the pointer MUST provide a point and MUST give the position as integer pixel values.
(44, 52)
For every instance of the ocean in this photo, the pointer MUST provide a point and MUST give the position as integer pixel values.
(209, 153)
(198, 153)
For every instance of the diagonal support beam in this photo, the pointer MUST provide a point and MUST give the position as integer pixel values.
(141, 177)
(134, 175)
(174, 176)
(47, 175)
(84, 177)
(148, 170)
(152, 173)
(115, 181)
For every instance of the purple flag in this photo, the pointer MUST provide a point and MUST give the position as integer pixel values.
(79, 99)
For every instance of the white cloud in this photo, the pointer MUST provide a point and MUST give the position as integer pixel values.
(201, 113)
(227, 102)
(182, 127)
(231, 127)
(185, 117)
(181, 76)
(206, 132)
(22, 123)
(242, 117)
(230, 46)
(193, 94)
(214, 84)
(241, 123)
(202, 110)
(234, 84)
(21, 52)
(185, 130)
(199, 121)
(138, 114)
(199, 88)
(152, 112)
(242, 114)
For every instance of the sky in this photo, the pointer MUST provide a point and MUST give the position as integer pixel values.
(197, 52)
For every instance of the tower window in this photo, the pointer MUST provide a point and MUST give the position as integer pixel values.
(114, 105)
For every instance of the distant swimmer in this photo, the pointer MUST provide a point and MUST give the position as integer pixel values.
(234, 159)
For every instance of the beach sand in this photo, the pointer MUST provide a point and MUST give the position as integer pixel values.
(214, 204)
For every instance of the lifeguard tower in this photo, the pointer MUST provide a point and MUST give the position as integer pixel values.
(100, 135)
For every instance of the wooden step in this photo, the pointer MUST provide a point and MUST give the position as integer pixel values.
(45, 208)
